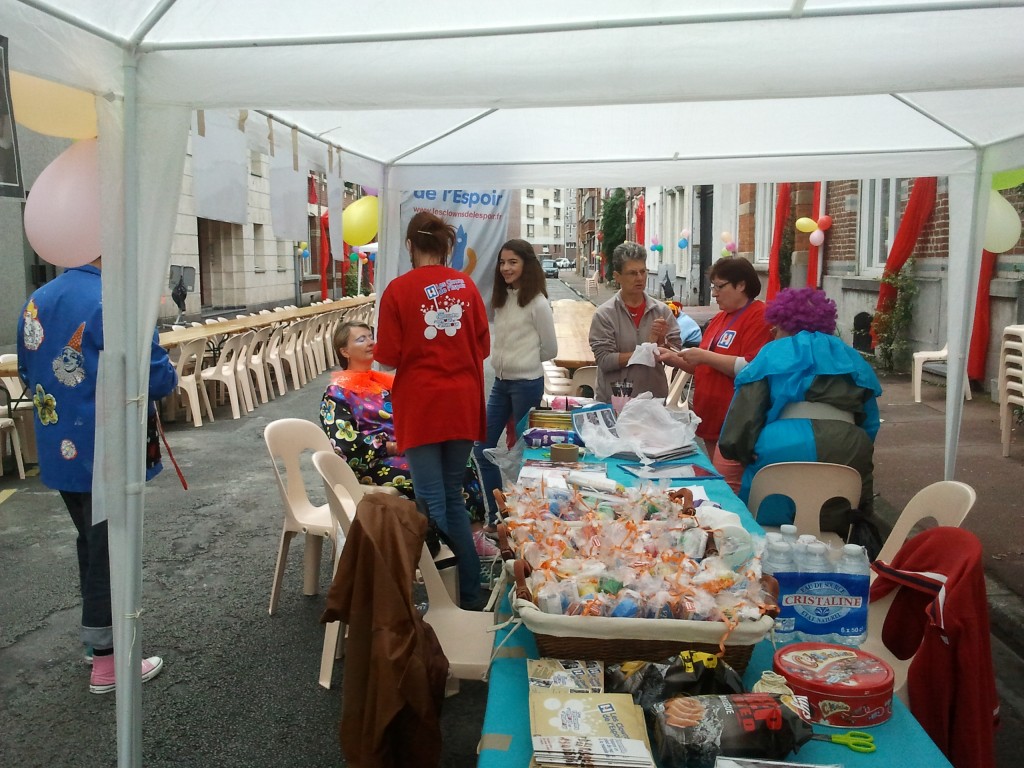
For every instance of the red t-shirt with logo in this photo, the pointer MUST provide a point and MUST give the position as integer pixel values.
(432, 327)
(741, 333)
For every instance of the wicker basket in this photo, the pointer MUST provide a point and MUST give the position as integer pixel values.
(615, 640)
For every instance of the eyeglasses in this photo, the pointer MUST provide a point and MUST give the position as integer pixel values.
(718, 286)
(635, 273)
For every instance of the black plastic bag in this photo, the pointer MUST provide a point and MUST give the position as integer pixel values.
(864, 531)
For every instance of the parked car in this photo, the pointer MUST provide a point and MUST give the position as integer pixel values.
(564, 263)
(550, 268)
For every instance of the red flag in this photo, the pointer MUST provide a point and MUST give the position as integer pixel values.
(812, 249)
(978, 353)
(325, 256)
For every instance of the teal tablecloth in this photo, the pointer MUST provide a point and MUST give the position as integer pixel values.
(505, 742)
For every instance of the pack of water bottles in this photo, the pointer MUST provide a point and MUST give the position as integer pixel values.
(823, 592)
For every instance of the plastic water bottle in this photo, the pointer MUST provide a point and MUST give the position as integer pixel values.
(816, 558)
(854, 561)
(789, 533)
(778, 557)
(771, 536)
(800, 549)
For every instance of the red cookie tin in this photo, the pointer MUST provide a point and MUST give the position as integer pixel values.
(846, 687)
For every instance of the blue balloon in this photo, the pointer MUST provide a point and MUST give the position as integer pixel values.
(371, 256)
(683, 242)
(305, 253)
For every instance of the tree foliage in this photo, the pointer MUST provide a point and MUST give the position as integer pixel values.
(613, 227)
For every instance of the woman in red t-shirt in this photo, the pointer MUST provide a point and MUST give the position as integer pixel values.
(731, 340)
(432, 328)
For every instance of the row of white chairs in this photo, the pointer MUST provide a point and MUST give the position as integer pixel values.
(247, 367)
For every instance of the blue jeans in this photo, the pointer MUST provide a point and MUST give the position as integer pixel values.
(93, 571)
(437, 472)
(509, 398)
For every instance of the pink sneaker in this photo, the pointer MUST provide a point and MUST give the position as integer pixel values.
(102, 680)
(484, 546)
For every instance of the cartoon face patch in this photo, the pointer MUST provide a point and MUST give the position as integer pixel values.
(68, 449)
(33, 333)
(46, 406)
(69, 366)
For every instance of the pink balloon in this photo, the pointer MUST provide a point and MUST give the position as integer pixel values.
(731, 246)
(655, 241)
(371, 191)
(62, 214)
(684, 232)
(817, 237)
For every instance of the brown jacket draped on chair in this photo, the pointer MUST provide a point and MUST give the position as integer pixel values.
(395, 670)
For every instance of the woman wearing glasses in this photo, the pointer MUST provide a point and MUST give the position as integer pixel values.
(628, 319)
(730, 341)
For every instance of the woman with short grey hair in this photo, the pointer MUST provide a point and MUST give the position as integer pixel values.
(627, 320)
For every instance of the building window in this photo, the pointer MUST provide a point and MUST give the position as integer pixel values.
(558, 213)
(546, 202)
(529, 211)
(880, 207)
(311, 266)
(547, 223)
(558, 231)
(764, 221)
(529, 193)
(558, 195)
(529, 230)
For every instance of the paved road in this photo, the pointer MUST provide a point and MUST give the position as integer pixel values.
(240, 686)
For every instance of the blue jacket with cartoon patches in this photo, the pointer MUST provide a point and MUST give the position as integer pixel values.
(60, 334)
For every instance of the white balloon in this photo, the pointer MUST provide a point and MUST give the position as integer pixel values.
(1003, 226)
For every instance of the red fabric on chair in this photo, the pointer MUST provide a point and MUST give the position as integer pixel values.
(941, 612)
(641, 220)
(782, 203)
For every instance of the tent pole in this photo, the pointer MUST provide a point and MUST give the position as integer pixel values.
(127, 630)
(966, 237)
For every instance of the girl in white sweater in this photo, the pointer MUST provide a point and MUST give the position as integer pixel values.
(523, 337)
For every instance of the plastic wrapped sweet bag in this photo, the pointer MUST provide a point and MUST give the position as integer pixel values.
(645, 354)
(644, 426)
(509, 461)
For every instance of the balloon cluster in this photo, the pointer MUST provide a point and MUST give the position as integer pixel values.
(656, 245)
(304, 249)
(816, 229)
(730, 244)
(684, 239)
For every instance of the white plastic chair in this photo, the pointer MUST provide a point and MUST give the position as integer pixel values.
(678, 389)
(343, 491)
(292, 355)
(275, 364)
(809, 484)
(257, 362)
(190, 388)
(8, 425)
(947, 502)
(287, 441)
(19, 407)
(920, 358)
(585, 377)
(227, 370)
(1011, 380)
(465, 636)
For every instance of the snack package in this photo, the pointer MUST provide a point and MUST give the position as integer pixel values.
(574, 676)
(688, 673)
(692, 731)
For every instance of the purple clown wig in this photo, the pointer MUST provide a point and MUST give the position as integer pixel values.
(802, 309)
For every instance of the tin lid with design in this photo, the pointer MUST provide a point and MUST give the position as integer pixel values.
(825, 668)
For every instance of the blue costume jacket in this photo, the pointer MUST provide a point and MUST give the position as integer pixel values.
(60, 335)
(812, 367)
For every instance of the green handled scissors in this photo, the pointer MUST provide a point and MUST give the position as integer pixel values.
(858, 741)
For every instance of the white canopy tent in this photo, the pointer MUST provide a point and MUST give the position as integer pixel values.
(529, 94)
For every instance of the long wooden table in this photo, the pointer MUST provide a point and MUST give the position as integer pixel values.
(171, 339)
(505, 741)
(572, 330)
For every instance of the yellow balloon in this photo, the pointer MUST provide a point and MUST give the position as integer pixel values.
(805, 224)
(359, 221)
(51, 108)
(1008, 179)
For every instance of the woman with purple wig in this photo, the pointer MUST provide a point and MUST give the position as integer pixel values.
(806, 396)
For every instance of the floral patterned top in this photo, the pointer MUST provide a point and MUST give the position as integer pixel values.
(356, 414)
